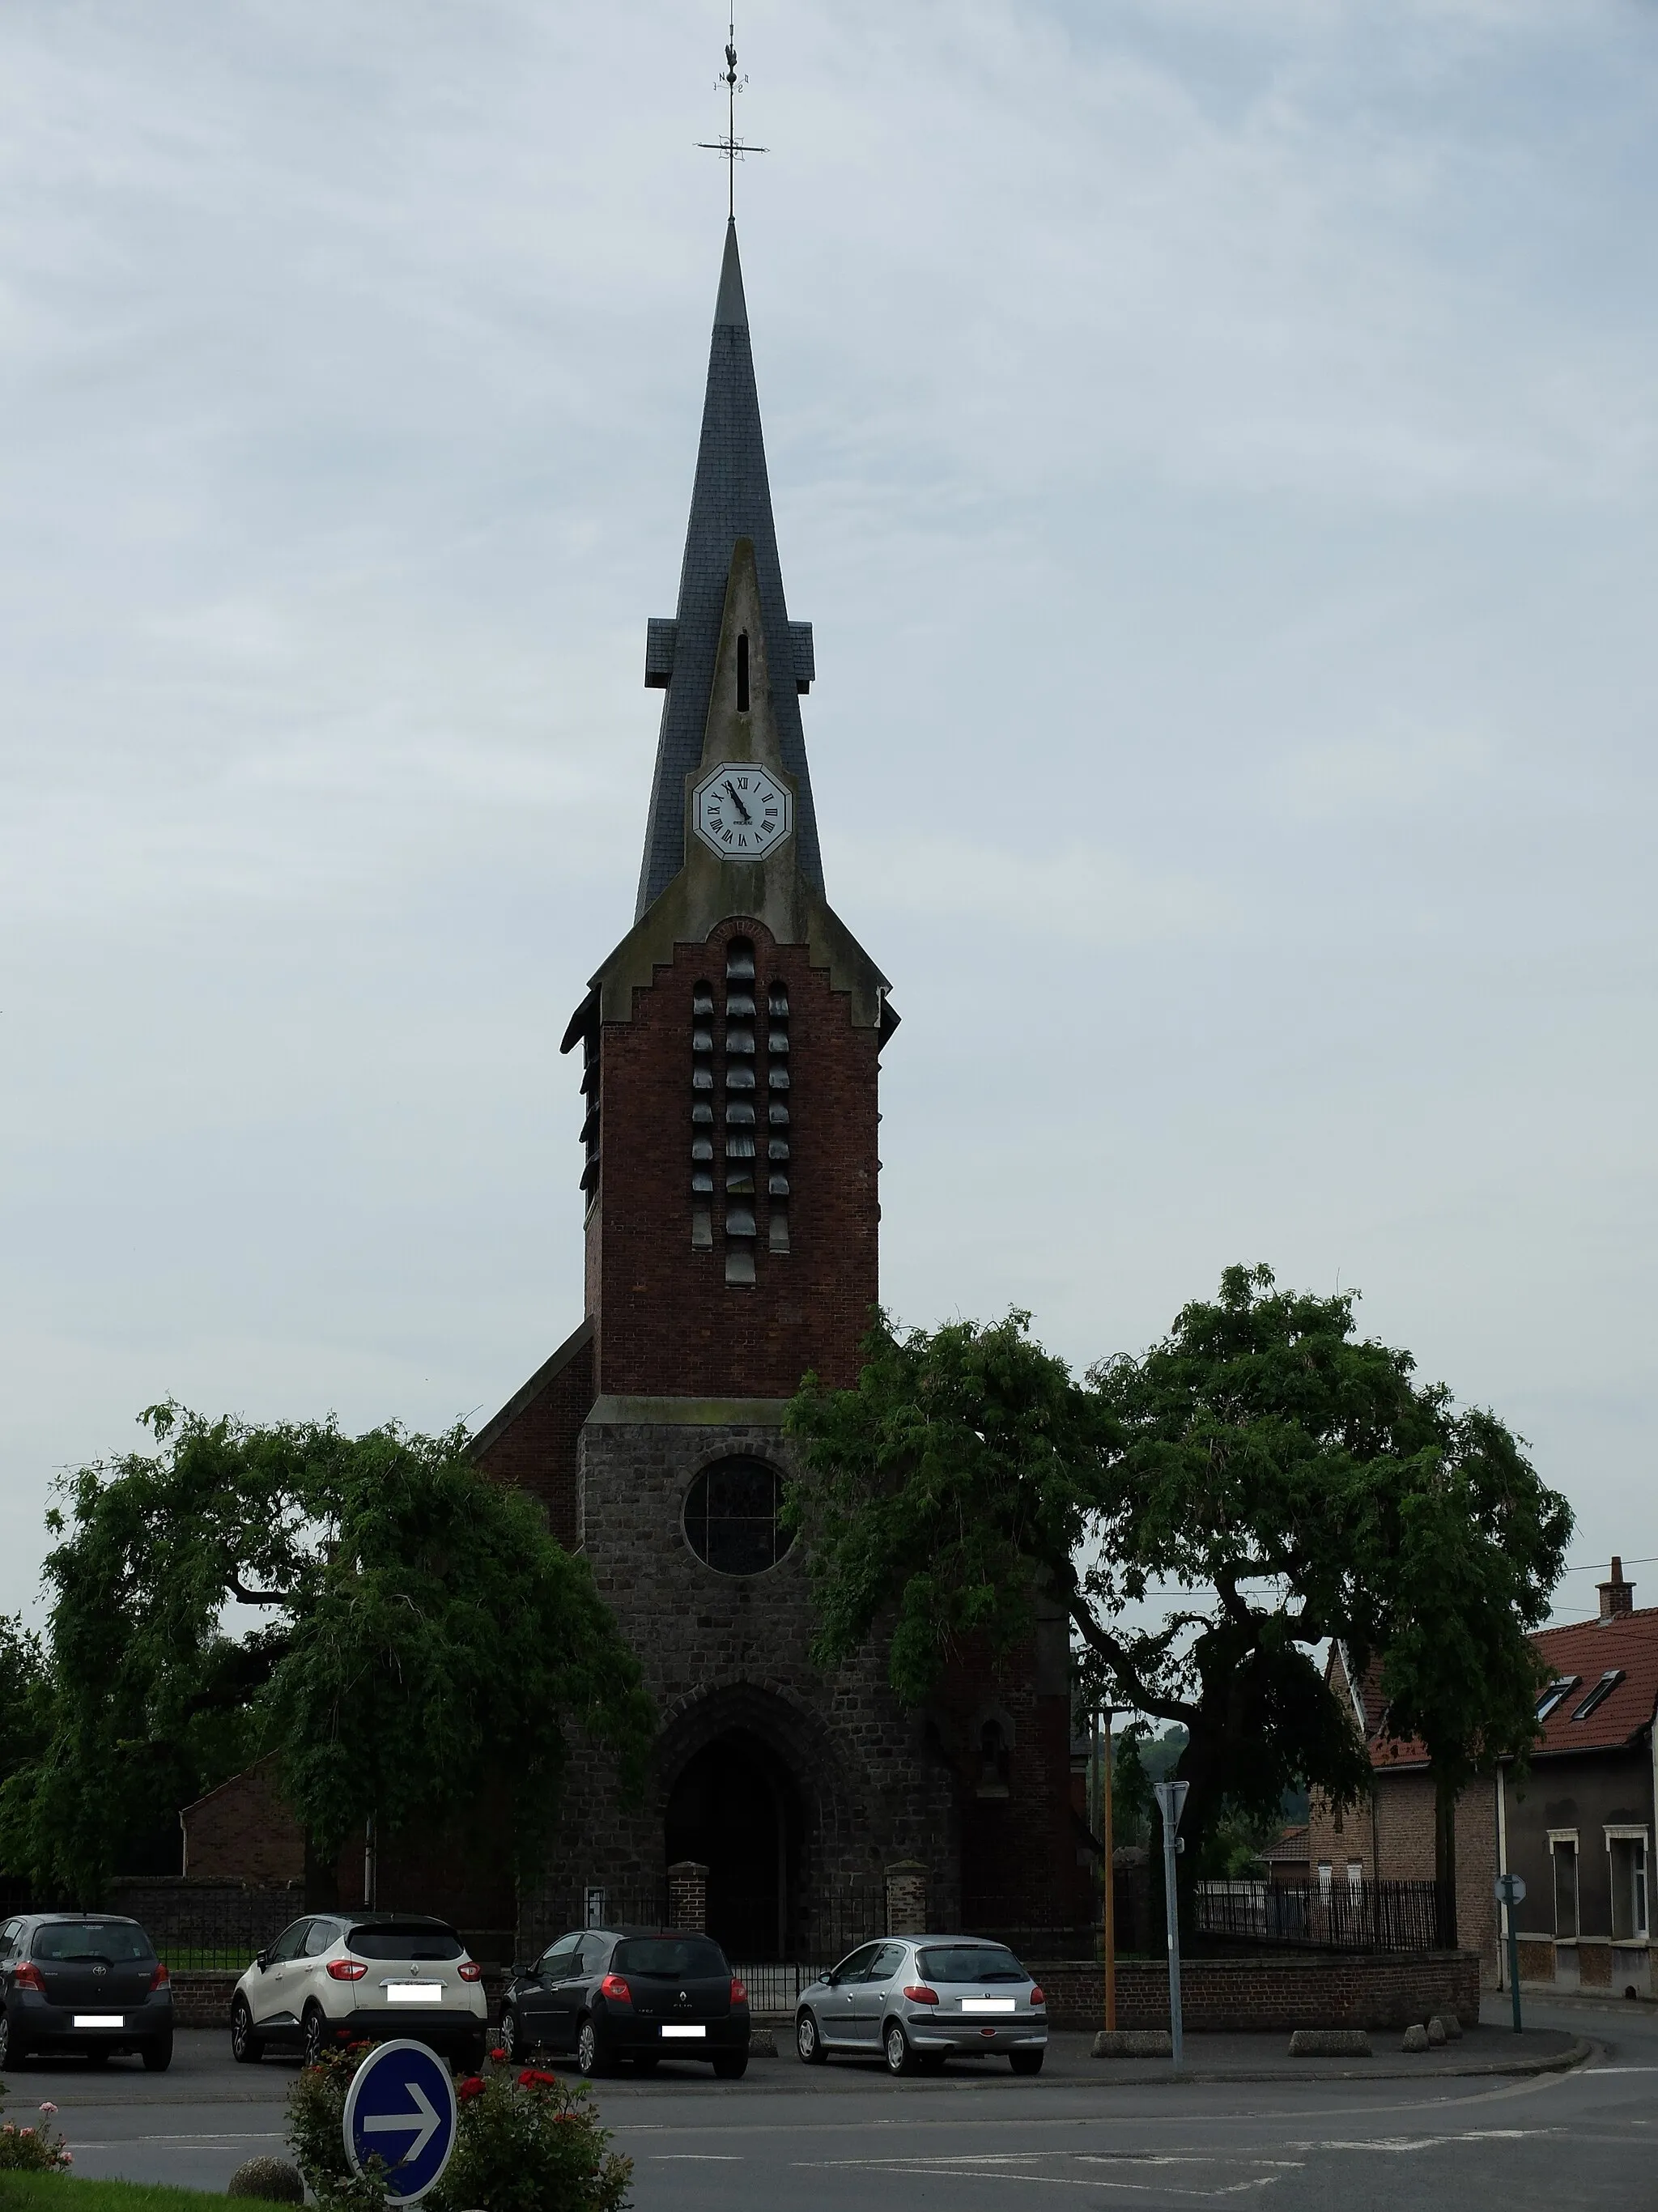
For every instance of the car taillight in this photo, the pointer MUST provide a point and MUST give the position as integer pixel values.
(739, 1990)
(919, 1993)
(346, 1970)
(469, 1971)
(158, 1980)
(28, 1976)
(1036, 1996)
(615, 1989)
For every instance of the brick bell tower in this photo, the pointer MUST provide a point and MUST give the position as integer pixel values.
(730, 1048)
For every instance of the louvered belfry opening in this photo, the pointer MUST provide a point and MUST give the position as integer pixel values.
(703, 1122)
(777, 1117)
(741, 1120)
(590, 1115)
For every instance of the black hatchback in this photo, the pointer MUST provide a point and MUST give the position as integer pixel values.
(634, 1993)
(82, 1981)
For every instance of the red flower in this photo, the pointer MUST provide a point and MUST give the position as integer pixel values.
(497, 2057)
(532, 2078)
(472, 2087)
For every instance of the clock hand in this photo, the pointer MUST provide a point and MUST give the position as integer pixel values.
(737, 802)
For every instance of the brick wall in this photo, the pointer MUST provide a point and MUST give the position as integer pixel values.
(668, 1322)
(243, 1832)
(1276, 1992)
(534, 1445)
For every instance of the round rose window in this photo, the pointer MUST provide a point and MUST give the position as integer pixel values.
(732, 1517)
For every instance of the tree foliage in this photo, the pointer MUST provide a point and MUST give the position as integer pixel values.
(399, 1630)
(1291, 1476)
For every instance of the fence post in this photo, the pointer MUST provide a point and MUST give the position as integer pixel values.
(907, 1888)
(688, 1896)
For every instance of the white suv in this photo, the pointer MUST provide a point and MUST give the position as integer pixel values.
(338, 1977)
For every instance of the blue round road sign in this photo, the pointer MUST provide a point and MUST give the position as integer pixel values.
(400, 2109)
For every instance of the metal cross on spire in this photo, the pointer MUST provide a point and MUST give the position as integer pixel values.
(734, 148)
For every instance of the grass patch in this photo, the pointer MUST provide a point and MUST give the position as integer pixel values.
(68, 2192)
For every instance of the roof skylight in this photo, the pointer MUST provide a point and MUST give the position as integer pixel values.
(1561, 1686)
(1602, 1690)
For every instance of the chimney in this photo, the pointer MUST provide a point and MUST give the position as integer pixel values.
(1616, 1596)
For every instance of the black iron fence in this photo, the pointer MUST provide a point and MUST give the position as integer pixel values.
(1339, 1916)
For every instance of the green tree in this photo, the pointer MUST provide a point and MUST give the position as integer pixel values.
(1291, 1476)
(401, 1632)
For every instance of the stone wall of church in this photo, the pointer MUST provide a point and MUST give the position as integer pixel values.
(723, 1652)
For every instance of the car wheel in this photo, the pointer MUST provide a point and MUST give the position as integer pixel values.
(11, 2044)
(511, 2037)
(313, 2034)
(246, 2048)
(900, 2058)
(807, 2040)
(731, 2065)
(158, 2054)
(590, 2053)
(1025, 2061)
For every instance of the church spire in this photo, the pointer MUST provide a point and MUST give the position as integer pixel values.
(731, 499)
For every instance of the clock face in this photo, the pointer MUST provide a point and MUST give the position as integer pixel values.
(741, 811)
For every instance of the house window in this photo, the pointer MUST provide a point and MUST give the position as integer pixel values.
(742, 671)
(1325, 1871)
(1564, 1851)
(1355, 1877)
(1627, 1853)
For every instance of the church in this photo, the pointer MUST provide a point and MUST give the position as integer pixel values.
(729, 1055)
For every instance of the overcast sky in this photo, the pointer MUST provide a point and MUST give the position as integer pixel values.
(1217, 447)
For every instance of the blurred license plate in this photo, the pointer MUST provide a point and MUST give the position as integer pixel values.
(100, 2020)
(414, 1993)
(986, 2004)
(684, 2031)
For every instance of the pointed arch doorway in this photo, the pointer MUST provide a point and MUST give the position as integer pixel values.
(736, 1808)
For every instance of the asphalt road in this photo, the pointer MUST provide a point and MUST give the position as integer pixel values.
(847, 2136)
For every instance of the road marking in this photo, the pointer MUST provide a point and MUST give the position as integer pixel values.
(702, 2157)
(1425, 2142)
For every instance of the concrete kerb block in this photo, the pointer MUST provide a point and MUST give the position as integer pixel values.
(1133, 2042)
(1415, 2038)
(1436, 2033)
(1449, 2024)
(1330, 2043)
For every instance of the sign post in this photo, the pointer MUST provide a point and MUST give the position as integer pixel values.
(1171, 1803)
(401, 2110)
(1509, 1891)
(1110, 1891)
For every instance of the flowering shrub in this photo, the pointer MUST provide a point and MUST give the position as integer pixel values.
(39, 2149)
(523, 2143)
(316, 2119)
(527, 2144)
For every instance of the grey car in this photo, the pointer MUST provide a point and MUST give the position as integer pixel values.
(82, 1981)
(916, 2001)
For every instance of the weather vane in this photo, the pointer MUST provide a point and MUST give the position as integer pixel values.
(734, 148)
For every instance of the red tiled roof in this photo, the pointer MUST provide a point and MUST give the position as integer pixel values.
(1587, 1649)
(1292, 1844)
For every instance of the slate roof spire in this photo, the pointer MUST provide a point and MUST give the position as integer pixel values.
(731, 499)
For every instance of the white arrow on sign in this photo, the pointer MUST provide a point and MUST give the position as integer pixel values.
(422, 2123)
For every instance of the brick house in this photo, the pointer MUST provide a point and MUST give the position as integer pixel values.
(1391, 1837)
(1578, 1828)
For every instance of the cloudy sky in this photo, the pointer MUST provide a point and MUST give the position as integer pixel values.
(1217, 447)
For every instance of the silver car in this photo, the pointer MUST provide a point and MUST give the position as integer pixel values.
(915, 2000)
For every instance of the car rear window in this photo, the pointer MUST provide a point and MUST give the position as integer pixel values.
(971, 1962)
(118, 1940)
(402, 1939)
(668, 1955)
